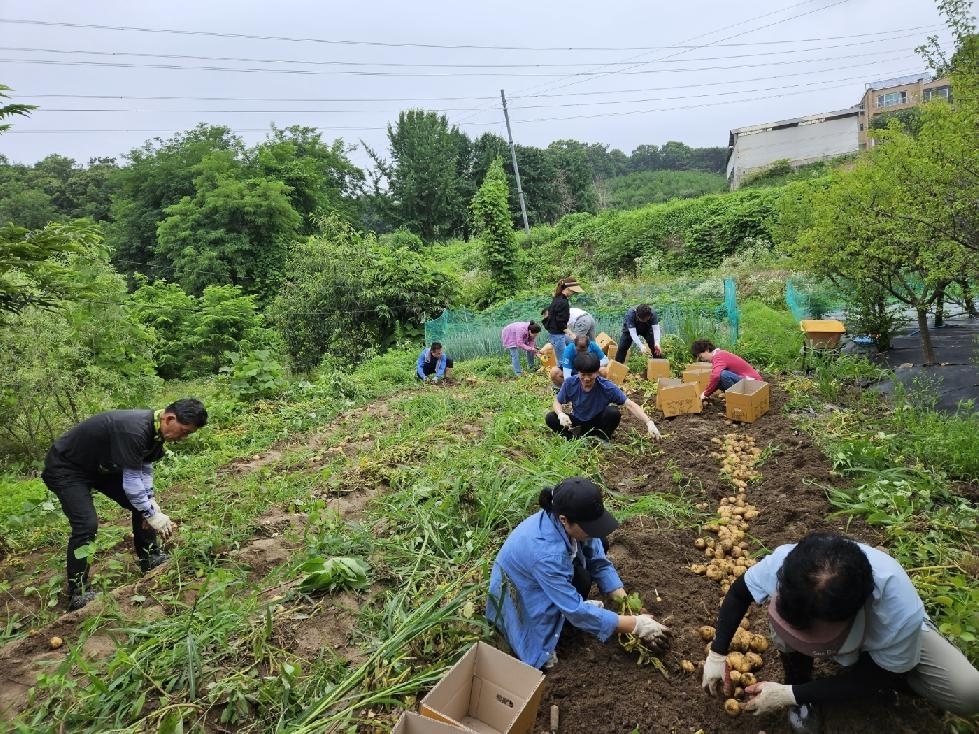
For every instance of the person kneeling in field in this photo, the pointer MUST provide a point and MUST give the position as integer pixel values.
(580, 345)
(726, 369)
(545, 570)
(830, 597)
(113, 453)
(594, 402)
(433, 364)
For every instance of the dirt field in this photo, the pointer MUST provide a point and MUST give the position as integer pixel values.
(598, 687)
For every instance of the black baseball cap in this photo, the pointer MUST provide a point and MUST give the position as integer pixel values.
(580, 500)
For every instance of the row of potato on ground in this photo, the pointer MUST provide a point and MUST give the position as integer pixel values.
(725, 547)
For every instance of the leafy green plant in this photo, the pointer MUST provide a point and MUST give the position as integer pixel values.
(331, 574)
(254, 375)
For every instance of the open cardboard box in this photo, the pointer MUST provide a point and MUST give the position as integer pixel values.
(656, 368)
(822, 333)
(412, 723)
(617, 372)
(676, 397)
(547, 358)
(488, 692)
(746, 401)
(698, 372)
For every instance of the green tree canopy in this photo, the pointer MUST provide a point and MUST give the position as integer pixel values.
(494, 227)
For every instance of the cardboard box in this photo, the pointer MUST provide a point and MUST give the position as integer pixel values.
(656, 368)
(676, 397)
(607, 344)
(412, 723)
(547, 358)
(488, 692)
(746, 401)
(822, 333)
(698, 372)
(617, 372)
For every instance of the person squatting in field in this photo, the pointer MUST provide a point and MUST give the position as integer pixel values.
(594, 404)
(830, 597)
(545, 570)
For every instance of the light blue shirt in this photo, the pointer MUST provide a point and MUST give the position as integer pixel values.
(570, 352)
(895, 613)
(531, 594)
(426, 356)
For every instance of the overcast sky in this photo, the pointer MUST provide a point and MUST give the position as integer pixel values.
(618, 73)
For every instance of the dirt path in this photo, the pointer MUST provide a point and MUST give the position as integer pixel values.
(599, 687)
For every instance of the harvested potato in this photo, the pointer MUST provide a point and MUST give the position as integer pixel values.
(687, 666)
(735, 676)
(754, 660)
(732, 707)
(759, 643)
(706, 633)
(748, 679)
(56, 642)
(700, 543)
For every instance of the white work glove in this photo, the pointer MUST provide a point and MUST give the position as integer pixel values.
(156, 507)
(768, 697)
(162, 524)
(703, 396)
(716, 674)
(646, 350)
(435, 379)
(651, 632)
(595, 603)
(653, 430)
(564, 419)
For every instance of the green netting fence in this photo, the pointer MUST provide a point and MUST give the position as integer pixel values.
(466, 334)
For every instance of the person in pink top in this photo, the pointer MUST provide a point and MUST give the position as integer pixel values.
(521, 335)
(726, 368)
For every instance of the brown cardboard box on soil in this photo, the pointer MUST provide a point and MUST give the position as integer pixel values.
(608, 346)
(656, 368)
(746, 401)
(698, 372)
(676, 397)
(547, 358)
(488, 692)
(412, 723)
(617, 372)
(822, 333)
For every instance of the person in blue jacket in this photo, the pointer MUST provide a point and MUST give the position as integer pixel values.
(545, 570)
(580, 345)
(433, 364)
(830, 597)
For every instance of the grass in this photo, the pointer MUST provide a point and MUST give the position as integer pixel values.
(452, 470)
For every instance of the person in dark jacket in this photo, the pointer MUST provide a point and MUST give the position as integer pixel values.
(113, 453)
(640, 326)
(557, 315)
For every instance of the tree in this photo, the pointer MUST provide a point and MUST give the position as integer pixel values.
(157, 176)
(429, 177)
(231, 230)
(346, 296)
(494, 227)
(11, 109)
(321, 179)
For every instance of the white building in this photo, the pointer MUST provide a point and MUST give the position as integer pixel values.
(801, 140)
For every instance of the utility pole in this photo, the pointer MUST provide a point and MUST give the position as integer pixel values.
(516, 171)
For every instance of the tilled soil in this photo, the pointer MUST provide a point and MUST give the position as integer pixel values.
(599, 687)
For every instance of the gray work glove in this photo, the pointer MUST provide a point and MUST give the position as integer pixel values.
(162, 524)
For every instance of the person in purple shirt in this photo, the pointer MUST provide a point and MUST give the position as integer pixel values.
(521, 336)
(594, 404)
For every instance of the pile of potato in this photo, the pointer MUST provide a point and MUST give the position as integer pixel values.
(727, 554)
(725, 546)
(738, 455)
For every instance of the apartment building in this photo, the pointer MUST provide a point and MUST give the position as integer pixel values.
(899, 93)
(799, 140)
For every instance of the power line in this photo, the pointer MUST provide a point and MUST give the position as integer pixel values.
(632, 70)
(140, 54)
(817, 84)
(385, 44)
